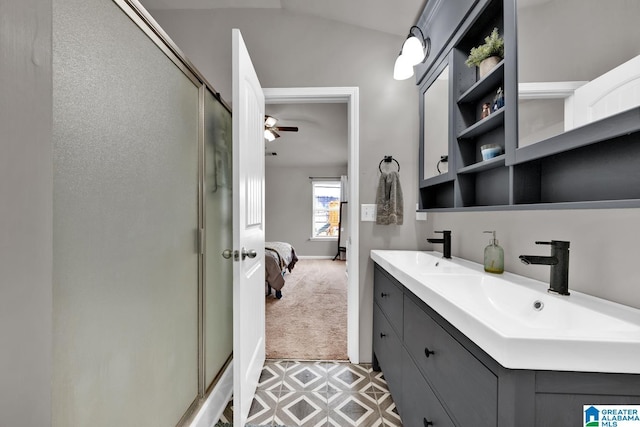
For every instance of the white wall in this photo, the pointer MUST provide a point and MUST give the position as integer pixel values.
(25, 213)
(290, 50)
(288, 208)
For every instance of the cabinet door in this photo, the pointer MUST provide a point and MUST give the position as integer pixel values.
(389, 297)
(421, 406)
(467, 388)
(388, 349)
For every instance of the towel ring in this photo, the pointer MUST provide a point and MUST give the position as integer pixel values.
(388, 159)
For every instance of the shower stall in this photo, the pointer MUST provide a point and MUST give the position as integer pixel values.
(142, 299)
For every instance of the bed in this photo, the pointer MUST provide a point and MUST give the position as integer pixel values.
(279, 257)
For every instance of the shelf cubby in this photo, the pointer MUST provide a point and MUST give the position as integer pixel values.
(438, 196)
(494, 120)
(496, 162)
(479, 90)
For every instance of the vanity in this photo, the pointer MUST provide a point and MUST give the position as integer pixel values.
(461, 347)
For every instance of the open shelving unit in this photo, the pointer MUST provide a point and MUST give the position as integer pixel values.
(594, 166)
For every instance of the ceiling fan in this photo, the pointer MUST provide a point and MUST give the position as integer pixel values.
(270, 128)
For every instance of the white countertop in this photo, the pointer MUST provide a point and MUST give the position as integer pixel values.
(570, 333)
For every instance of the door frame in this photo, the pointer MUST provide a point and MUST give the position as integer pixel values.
(351, 97)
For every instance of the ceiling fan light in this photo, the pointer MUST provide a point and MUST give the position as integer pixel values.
(270, 121)
(413, 50)
(269, 135)
(402, 70)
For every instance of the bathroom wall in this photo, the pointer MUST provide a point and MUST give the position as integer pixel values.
(25, 213)
(604, 245)
(288, 208)
(290, 50)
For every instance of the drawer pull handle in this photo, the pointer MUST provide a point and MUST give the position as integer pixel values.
(382, 295)
(382, 335)
(428, 352)
(426, 423)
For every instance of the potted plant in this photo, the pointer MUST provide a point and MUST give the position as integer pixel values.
(487, 56)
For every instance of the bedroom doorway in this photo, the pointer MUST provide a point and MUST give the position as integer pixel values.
(350, 98)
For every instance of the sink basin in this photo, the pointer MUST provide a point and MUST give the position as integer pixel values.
(421, 263)
(516, 321)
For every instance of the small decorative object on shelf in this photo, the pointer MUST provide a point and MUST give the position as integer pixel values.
(486, 110)
(489, 151)
(498, 100)
(488, 55)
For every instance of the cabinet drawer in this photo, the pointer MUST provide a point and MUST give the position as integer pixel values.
(388, 350)
(389, 297)
(467, 388)
(420, 405)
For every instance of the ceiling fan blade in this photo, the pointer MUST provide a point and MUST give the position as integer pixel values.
(275, 133)
(287, 128)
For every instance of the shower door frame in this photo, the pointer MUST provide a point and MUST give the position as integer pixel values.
(138, 14)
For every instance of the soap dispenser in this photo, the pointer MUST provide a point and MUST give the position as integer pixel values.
(493, 256)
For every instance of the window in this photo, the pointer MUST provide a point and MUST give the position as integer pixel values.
(325, 210)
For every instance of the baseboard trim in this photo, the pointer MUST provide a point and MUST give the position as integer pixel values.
(209, 413)
(315, 256)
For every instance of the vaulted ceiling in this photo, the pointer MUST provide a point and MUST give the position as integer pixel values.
(322, 139)
(390, 16)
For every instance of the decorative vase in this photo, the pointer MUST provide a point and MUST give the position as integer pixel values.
(487, 65)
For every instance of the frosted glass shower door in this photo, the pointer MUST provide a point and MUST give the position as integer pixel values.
(125, 215)
(218, 315)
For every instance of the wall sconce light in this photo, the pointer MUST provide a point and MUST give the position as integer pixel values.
(414, 51)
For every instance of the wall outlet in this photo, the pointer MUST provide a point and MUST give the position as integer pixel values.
(420, 216)
(367, 212)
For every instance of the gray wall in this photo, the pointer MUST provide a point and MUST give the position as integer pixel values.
(291, 50)
(25, 213)
(604, 245)
(288, 208)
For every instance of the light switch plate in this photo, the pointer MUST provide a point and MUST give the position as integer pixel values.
(367, 212)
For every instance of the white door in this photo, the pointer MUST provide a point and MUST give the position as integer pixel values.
(248, 231)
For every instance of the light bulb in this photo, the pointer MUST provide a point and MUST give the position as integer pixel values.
(413, 50)
(269, 136)
(270, 121)
(402, 70)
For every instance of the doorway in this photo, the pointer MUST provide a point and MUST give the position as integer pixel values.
(349, 96)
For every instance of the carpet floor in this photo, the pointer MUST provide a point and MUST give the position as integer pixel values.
(309, 322)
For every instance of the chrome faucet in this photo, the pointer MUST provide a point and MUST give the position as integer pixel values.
(559, 262)
(446, 242)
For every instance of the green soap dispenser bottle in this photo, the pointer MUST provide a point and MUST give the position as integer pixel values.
(493, 256)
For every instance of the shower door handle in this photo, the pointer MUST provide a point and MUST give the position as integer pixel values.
(228, 253)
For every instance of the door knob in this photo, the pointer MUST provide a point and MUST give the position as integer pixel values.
(227, 253)
(251, 253)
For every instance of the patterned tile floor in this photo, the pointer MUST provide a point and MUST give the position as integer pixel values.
(321, 394)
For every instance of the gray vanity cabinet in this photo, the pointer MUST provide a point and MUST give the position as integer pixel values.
(426, 368)
(420, 406)
(387, 326)
(469, 389)
(438, 376)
